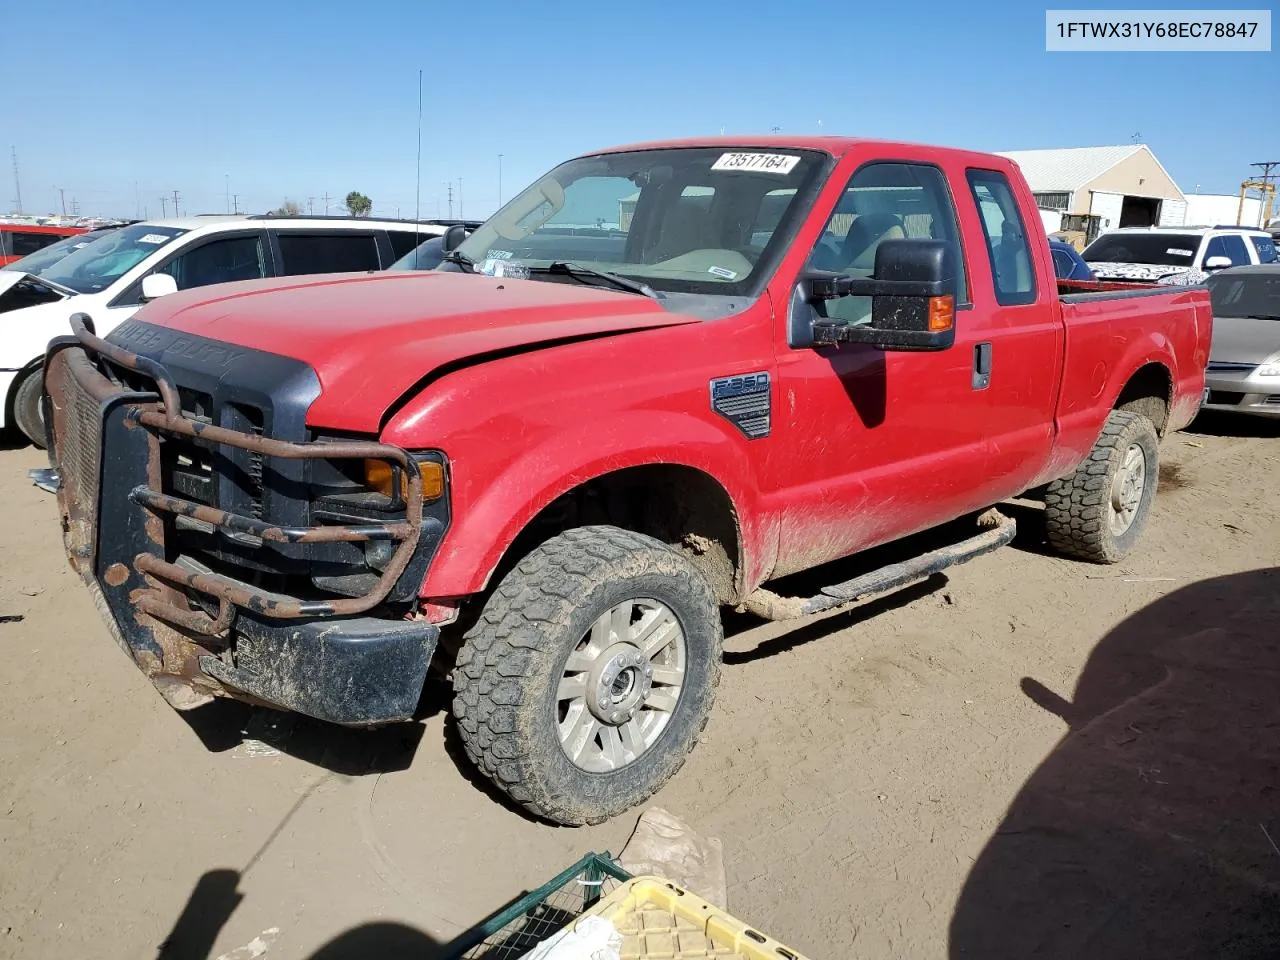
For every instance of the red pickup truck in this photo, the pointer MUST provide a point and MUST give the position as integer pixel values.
(660, 377)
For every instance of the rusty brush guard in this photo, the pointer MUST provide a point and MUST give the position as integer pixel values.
(80, 397)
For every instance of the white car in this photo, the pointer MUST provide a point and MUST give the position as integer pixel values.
(1161, 254)
(105, 279)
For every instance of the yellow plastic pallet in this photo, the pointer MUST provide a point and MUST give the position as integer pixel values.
(660, 921)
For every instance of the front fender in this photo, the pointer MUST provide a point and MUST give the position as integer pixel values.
(491, 508)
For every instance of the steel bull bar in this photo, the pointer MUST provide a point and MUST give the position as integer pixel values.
(315, 656)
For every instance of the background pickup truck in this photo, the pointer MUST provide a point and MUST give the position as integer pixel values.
(658, 378)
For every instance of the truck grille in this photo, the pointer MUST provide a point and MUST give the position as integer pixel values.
(79, 447)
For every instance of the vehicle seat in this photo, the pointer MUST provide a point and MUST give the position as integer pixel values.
(1012, 265)
(865, 235)
(688, 227)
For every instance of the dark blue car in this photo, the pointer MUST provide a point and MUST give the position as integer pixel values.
(1067, 263)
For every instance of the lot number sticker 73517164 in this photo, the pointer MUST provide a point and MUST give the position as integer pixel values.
(756, 162)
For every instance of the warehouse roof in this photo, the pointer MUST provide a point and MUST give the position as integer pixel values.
(1069, 169)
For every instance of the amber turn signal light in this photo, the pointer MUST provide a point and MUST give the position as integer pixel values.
(378, 474)
(942, 313)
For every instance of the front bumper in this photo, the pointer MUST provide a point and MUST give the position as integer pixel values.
(1242, 391)
(199, 633)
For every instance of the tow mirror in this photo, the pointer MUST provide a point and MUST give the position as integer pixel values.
(1217, 263)
(913, 298)
(157, 285)
(453, 237)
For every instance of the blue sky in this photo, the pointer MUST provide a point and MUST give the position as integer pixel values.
(286, 99)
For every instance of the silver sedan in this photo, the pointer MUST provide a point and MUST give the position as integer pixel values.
(1244, 361)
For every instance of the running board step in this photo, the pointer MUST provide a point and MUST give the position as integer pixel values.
(999, 530)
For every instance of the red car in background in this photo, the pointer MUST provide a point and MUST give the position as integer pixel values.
(17, 240)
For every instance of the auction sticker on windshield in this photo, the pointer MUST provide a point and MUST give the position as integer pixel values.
(155, 238)
(756, 162)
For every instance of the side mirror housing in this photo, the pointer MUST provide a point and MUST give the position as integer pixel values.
(1217, 263)
(912, 294)
(453, 237)
(157, 285)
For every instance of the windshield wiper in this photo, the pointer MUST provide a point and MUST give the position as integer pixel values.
(461, 259)
(579, 272)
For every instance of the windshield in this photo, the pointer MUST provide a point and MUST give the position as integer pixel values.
(99, 264)
(1245, 295)
(690, 220)
(425, 256)
(35, 262)
(1163, 249)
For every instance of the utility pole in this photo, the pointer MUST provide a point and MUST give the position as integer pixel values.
(235, 203)
(62, 197)
(17, 186)
(175, 203)
(228, 189)
(164, 209)
(449, 186)
(311, 205)
(75, 207)
(499, 179)
(326, 203)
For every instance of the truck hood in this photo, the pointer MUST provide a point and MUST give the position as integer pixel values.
(1244, 340)
(371, 337)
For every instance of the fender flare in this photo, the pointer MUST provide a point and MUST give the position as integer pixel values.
(483, 530)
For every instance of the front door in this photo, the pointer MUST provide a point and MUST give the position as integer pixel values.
(886, 442)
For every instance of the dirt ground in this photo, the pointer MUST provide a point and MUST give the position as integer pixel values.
(1026, 757)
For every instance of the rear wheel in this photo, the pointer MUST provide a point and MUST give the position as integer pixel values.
(590, 674)
(28, 413)
(1098, 513)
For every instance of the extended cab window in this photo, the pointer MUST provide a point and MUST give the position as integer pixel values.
(1006, 235)
(1229, 245)
(883, 201)
(305, 253)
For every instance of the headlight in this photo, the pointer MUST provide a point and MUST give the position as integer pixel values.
(378, 475)
(1271, 369)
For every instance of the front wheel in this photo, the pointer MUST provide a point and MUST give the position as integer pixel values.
(590, 674)
(28, 413)
(1099, 511)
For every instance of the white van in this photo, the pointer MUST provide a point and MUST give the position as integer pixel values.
(105, 279)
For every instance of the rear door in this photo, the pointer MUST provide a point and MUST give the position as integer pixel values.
(1021, 342)
(303, 252)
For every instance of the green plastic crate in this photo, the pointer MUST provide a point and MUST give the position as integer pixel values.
(524, 923)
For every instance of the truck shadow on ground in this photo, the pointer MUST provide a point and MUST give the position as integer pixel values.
(1153, 829)
(215, 898)
(1214, 423)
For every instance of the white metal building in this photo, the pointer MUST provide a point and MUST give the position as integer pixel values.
(1221, 209)
(1122, 185)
